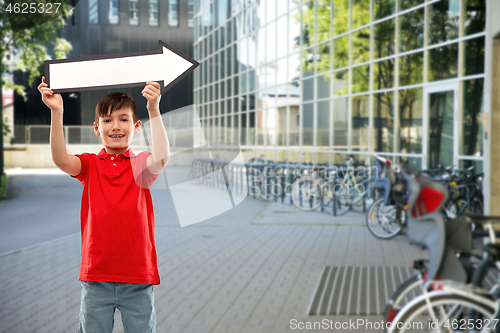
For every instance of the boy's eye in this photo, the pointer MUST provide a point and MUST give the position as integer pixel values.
(106, 121)
(124, 119)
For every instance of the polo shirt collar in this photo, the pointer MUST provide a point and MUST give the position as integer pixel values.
(103, 154)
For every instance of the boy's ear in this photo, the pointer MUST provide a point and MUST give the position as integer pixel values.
(96, 129)
(137, 126)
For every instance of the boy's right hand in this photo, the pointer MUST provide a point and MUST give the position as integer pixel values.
(53, 101)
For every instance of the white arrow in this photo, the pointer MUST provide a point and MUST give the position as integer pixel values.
(119, 70)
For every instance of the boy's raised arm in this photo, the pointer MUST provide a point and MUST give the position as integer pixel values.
(64, 161)
(161, 148)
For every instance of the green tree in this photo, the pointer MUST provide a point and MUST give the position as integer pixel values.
(28, 48)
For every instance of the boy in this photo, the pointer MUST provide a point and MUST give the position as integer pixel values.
(119, 266)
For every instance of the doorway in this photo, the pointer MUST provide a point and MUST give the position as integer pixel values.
(440, 146)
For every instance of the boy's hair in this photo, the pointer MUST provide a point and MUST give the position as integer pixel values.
(115, 101)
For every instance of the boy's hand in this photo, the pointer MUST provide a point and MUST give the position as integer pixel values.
(53, 101)
(152, 93)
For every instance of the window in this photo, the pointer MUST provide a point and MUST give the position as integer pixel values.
(153, 13)
(93, 12)
(173, 13)
(133, 12)
(113, 12)
(190, 13)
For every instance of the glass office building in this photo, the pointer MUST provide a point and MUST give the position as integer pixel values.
(314, 81)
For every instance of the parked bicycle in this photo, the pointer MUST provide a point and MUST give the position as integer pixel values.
(386, 217)
(456, 307)
(426, 227)
(336, 190)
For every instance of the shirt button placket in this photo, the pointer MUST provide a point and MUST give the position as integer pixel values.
(114, 169)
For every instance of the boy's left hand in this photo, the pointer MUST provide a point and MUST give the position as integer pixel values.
(152, 93)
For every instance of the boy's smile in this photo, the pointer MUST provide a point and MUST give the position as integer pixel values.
(117, 130)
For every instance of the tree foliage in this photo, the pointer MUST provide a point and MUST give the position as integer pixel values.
(26, 50)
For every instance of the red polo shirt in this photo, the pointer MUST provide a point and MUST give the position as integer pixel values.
(117, 219)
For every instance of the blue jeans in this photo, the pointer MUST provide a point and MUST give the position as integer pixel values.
(101, 299)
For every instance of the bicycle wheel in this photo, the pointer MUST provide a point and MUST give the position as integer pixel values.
(373, 196)
(306, 193)
(341, 204)
(408, 290)
(381, 220)
(476, 206)
(361, 200)
(455, 313)
(366, 198)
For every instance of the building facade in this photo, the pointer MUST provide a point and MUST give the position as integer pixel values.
(111, 27)
(316, 80)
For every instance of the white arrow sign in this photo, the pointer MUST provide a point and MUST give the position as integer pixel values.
(119, 70)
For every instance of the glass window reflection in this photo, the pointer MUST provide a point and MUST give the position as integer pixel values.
(474, 56)
(323, 124)
(383, 8)
(133, 12)
(307, 124)
(361, 13)
(282, 41)
(411, 69)
(93, 12)
(360, 79)
(407, 4)
(383, 122)
(383, 39)
(323, 86)
(323, 21)
(443, 63)
(360, 121)
(410, 121)
(340, 83)
(383, 74)
(360, 46)
(470, 118)
(340, 123)
(293, 31)
(444, 20)
(271, 42)
(270, 10)
(340, 17)
(475, 16)
(411, 32)
(308, 89)
(341, 52)
(259, 120)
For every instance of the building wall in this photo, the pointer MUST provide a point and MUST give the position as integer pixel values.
(492, 188)
(90, 39)
(358, 76)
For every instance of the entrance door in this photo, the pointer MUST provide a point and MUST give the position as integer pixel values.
(440, 125)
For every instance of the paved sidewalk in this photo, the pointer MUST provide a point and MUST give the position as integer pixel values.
(251, 269)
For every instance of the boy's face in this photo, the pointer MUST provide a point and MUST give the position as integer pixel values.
(117, 130)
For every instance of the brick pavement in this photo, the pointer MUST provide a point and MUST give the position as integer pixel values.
(249, 270)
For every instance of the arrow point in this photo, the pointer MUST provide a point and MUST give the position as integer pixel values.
(175, 65)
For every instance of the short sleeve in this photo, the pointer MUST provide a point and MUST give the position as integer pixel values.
(84, 158)
(143, 177)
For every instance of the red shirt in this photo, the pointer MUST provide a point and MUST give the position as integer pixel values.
(117, 219)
